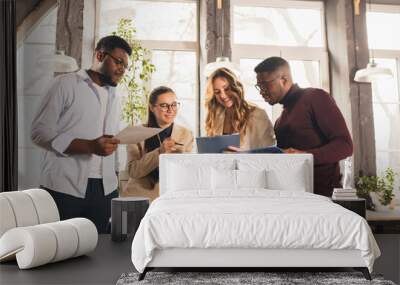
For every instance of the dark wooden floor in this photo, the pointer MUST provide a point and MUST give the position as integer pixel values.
(102, 266)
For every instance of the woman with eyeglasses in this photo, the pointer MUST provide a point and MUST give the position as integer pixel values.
(229, 112)
(142, 161)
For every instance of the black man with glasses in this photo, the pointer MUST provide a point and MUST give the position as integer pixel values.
(310, 122)
(75, 125)
(143, 158)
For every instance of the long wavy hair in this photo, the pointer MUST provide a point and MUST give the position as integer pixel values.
(241, 108)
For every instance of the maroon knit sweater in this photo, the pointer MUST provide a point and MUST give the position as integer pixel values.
(312, 122)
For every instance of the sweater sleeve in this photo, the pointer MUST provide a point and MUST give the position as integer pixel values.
(330, 122)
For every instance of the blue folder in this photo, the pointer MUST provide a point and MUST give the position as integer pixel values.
(272, 149)
(217, 144)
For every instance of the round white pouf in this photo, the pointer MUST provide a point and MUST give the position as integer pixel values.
(67, 240)
(23, 208)
(6, 215)
(46, 208)
(33, 246)
(40, 244)
(87, 235)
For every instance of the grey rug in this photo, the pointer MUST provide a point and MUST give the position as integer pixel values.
(228, 278)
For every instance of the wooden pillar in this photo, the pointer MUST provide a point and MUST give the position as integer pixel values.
(70, 28)
(348, 52)
(210, 32)
(218, 44)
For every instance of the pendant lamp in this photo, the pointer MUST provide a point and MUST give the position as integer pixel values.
(372, 72)
(58, 62)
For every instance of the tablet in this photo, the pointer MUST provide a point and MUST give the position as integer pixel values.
(217, 144)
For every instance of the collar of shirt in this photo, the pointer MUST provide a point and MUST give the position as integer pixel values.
(291, 96)
(83, 75)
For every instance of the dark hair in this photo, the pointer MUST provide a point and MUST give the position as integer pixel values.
(151, 119)
(109, 43)
(271, 64)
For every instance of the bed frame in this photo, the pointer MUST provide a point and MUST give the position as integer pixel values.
(242, 259)
(246, 258)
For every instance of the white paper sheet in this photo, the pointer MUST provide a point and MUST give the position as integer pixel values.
(136, 134)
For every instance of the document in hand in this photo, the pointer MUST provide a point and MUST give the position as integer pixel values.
(136, 134)
(216, 144)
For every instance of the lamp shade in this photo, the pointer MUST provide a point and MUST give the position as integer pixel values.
(372, 72)
(58, 62)
(221, 62)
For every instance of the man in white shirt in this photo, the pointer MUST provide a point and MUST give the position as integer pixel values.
(75, 125)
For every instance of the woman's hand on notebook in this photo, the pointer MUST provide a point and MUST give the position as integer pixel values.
(232, 148)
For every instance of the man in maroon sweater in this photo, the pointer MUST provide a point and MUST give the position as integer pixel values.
(310, 122)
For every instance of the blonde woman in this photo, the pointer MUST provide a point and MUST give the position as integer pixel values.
(229, 112)
(142, 162)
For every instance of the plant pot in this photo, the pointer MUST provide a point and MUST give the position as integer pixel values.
(369, 203)
(379, 206)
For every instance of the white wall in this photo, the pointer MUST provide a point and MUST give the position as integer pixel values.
(32, 84)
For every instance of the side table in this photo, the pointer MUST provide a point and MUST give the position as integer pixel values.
(356, 205)
(126, 214)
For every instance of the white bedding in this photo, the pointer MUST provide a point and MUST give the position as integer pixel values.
(252, 218)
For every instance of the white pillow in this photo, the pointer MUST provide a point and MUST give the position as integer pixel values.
(223, 179)
(229, 179)
(293, 179)
(188, 177)
(281, 174)
(251, 178)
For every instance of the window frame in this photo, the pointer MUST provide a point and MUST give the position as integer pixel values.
(387, 54)
(159, 45)
(319, 54)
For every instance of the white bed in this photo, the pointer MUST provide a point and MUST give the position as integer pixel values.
(247, 210)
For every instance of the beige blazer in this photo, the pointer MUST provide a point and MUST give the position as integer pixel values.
(259, 130)
(141, 164)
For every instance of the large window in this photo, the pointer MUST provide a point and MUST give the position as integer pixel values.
(293, 30)
(385, 47)
(169, 30)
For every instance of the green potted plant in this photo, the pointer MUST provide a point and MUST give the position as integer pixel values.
(134, 105)
(382, 186)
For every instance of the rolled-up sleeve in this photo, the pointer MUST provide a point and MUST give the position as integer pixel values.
(44, 126)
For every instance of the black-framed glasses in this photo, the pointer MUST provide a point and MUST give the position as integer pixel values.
(165, 106)
(263, 85)
(118, 61)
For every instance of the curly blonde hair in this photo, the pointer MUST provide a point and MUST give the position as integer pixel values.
(241, 108)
